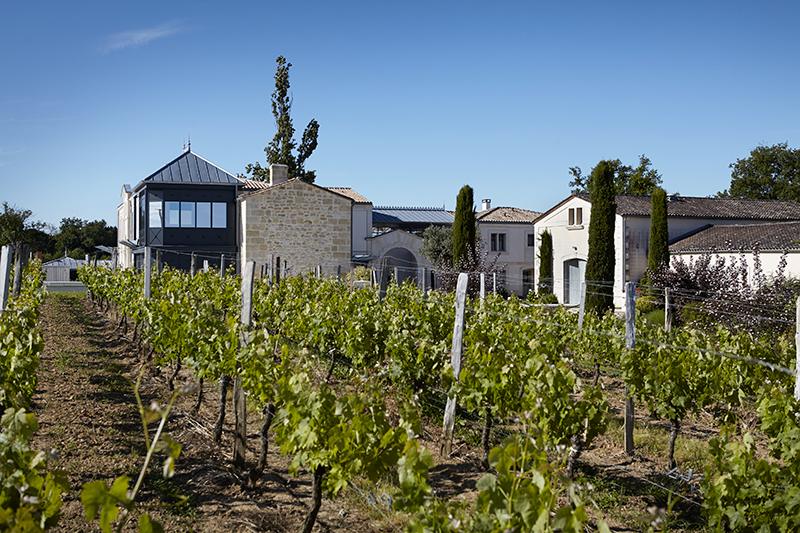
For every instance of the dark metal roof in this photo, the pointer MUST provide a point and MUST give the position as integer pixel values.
(720, 208)
(404, 217)
(190, 168)
(771, 236)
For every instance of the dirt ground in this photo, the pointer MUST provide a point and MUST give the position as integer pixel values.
(88, 412)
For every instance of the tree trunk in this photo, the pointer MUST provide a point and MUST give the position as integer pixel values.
(258, 471)
(596, 372)
(199, 397)
(576, 448)
(316, 499)
(487, 430)
(174, 375)
(676, 426)
(224, 381)
(330, 369)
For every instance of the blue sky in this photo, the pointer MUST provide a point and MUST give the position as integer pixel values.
(414, 99)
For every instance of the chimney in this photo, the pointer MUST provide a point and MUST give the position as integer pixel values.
(278, 174)
(487, 204)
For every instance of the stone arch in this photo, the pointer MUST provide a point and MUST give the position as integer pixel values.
(404, 260)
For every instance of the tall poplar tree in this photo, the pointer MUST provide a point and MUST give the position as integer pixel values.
(546, 264)
(281, 149)
(658, 252)
(600, 261)
(464, 229)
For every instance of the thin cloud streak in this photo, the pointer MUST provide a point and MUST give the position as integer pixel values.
(136, 38)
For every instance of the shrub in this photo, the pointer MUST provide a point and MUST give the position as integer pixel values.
(647, 304)
(548, 298)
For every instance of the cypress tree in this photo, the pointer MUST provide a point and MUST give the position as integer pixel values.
(658, 252)
(546, 264)
(600, 261)
(464, 226)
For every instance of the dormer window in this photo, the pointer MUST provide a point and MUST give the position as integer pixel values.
(576, 216)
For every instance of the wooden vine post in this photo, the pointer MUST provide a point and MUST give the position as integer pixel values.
(582, 308)
(797, 346)
(630, 344)
(384, 280)
(148, 272)
(239, 405)
(667, 312)
(5, 276)
(20, 262)
(455, 361)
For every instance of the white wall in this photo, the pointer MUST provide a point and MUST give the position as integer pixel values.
(569, 242)
(125, 254)
(769, 261)
(518, 255)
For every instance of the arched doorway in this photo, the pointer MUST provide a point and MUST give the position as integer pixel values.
(404, 261)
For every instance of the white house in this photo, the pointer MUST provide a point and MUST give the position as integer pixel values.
(509, 232)
(568, 223)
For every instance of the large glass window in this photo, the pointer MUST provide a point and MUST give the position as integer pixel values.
(155, 214)
(187, 214)
(173, 215)
(219, 217)
(203, 214)
(194, 215)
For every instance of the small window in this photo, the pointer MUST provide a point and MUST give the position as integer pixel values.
(155, 214)
(576, 216)
(498, 242)
(219, 215)
(531, 239)
(203, 214)
(172, 217)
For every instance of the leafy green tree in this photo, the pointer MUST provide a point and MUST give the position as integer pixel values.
(281, 149)
(600, 260)
(79, 237)
(770, 173)
(641, 180)
(437, 244)
(546, 264)
(16, 225)
(464, 226)
(658, 253)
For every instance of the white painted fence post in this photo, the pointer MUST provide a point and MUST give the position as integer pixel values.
(483, 286)
(455, 361)
(630, 344)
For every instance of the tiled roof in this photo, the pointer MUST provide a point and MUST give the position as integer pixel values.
(252, 185)
(349, 193)
(191, 168)
(507, 214)
(413, 215)
(720, 208)
(772, 236)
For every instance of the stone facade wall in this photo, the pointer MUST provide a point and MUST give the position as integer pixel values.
(303, 224)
